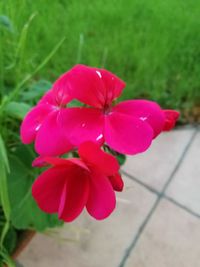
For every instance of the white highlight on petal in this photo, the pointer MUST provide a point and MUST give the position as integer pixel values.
(99, 137)
(143, 118)
(99, 73)
(38, 127)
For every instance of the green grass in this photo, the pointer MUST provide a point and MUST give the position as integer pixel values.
(151, 44)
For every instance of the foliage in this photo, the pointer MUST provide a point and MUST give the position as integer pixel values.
(153, 45)
(18, 210)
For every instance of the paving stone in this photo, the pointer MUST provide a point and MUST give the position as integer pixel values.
(171, 239)
(155, 165)
(99, 243)
(185, 186)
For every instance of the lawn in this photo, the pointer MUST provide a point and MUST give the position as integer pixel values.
(151, 44)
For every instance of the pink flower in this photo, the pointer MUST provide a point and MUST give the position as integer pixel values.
(127, 127)
(72, 184)
(42, 124)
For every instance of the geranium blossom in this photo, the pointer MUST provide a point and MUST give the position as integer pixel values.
(42, 124)
(127, 127)
(91, 180)
(75, 183)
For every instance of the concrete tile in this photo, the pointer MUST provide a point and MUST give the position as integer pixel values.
(100, 243)
(185, 187)
(155, 165)
(171, 239)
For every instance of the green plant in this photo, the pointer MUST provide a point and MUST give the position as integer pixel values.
(153, 45)
(18, 210)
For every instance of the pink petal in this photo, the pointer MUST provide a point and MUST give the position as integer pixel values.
(83, 124)
(51, 140)
(171, 116)
(48, 98)
(113, 85)
(33, 121)
(145, 110)
(126, 134)
(117, 182)
(39, 162)
(56, 97)
(42, 161)
(92, 86)
(74, 195)
(48, 187)
(101, 200)
(61, 90)
(92, 154)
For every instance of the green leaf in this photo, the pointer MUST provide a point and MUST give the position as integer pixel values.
(36, 90)
(6, 23)
(10, 241)
(25, 212)
(6, 258)
(17, 110)
(75, 103)
(3, 154)
(4, 167)
(121, 158)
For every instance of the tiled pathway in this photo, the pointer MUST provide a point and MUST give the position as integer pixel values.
(157, 220)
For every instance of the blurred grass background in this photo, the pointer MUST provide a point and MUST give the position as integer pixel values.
(153, 45)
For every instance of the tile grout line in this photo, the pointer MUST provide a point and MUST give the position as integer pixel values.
(181, 206)
(156, 192)
(180, 161)
(133, 178)
(159, 197)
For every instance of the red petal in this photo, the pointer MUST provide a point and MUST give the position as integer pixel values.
(126, 134)
(145, 110)
(56, 96)
(91, 153)
(48, 98)
(48, 187)
(61, 90)
(39, 162)
(117, 182)
(33, 121)
(92, 86)
(51, 140)
(101, 200)
(74, 195)
(171, 116)
(83, 124)
(113, 85)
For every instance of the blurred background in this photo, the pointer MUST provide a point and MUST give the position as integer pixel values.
(151, 44)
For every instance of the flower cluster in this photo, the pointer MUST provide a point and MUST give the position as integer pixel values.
(91, 180)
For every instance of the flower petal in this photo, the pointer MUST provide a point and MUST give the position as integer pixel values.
(117, 182)
(113, 85)
(33, 121)
(51, 140)
(48, 98)
(171, 116)
(147, 111)
(74, 195)
(101, 199)
(91, 153)
(92, 86)
(61, 90)
(83, 124)
(48, 187)
(126, 134)
(42, 161)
